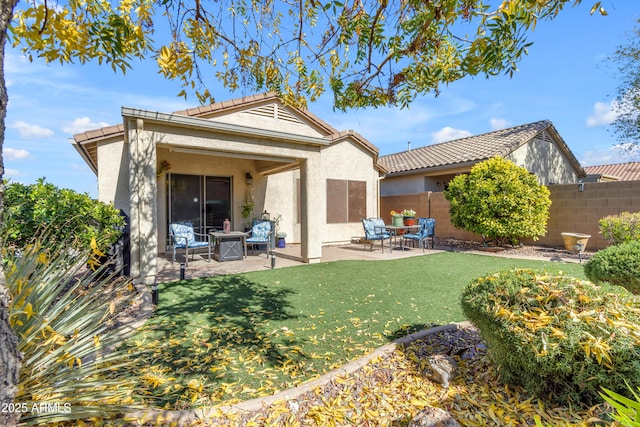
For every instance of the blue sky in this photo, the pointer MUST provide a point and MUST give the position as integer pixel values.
(566, 78)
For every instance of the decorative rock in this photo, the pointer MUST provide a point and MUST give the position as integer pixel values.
(442, 369)
(433, 417)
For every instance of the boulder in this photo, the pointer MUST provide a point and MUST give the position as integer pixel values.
(433, 417)
(442, 369)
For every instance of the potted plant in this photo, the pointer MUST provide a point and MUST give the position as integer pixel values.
(280, 236)
(247, 209)
(409, 216)
(281, 239)
(396, 218)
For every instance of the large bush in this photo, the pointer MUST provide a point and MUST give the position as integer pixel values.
(561, 338)
(499, 200)
(618, 265)
(65, 216)
(624, 227)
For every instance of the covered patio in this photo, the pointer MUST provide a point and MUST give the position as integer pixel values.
(233, 161)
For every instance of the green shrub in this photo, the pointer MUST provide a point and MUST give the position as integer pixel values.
(621, 228)
(561, 338)
(618, 265)
(65, 216)
(499, 200)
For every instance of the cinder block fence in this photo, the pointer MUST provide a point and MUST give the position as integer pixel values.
(574, 208)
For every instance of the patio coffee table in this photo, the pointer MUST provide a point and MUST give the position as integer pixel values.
(229, 246)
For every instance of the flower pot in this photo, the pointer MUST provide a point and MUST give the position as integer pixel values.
(575, 242)
(409, 220)
(281, 242)
(397, 220)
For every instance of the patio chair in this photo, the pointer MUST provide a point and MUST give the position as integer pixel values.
(182, 236)
(261, 234)
(374, 229)
(427, 231)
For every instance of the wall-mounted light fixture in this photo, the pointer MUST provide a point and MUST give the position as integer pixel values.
(248, 178)
(580, 186)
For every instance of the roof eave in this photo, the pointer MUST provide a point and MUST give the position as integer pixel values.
(451, 167)
(85, 156)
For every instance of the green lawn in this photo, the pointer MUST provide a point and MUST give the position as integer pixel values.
(240, 336)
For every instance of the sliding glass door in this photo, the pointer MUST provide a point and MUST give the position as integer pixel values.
(205, 201)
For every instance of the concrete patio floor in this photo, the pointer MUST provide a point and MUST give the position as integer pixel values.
(198, 265)
(291, 256)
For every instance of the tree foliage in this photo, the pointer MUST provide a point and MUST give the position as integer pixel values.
(367, 52)
(65, 216)
(499, 200)
(627, 103)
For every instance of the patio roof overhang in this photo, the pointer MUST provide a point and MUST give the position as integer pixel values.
(266, 165)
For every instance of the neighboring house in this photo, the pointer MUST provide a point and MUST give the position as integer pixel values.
(629, 171)
(535, 146)
(204, 163)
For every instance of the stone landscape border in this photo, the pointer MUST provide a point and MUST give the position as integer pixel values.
(259, 403)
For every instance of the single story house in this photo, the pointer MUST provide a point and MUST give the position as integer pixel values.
(235, 159)
(629, 171)
(538, 147)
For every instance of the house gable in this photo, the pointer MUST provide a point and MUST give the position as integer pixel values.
(264, 111)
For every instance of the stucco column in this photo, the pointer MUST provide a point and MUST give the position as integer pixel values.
(143, 203)
(313, 207)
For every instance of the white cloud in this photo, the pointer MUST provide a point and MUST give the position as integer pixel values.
(26, 130)
(603, 114)
(497, 123)
(15, 154)
(448, 133)
(11, 173)
(619, 153)
(82, 124)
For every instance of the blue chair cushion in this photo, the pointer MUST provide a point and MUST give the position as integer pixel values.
(183, 234)
(374, 229)
(427, 229)
(260, 232)
(412, 236)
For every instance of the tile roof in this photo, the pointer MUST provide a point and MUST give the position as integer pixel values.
(629, 171)
(462, 151)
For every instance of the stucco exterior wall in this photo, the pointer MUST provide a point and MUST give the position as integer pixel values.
(282, 197)
(143, 202)
(348, 161)
(113, 176)
(544, 159)
(404, 184)
(415, 183)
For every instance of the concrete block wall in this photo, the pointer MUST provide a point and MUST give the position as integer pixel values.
(571, 210)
